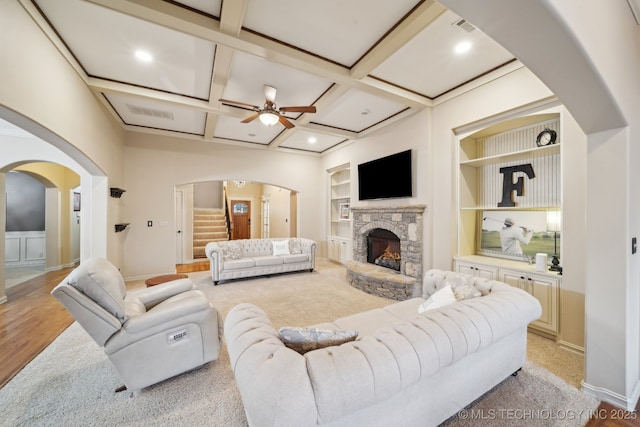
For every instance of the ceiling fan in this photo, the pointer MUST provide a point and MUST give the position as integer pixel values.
(270, 114)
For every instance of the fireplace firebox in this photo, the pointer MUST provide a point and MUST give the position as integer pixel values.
(383, 248)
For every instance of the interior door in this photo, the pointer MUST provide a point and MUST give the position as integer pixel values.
(241, 212)
(179, 227)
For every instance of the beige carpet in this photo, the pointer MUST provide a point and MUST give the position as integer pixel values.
(71, 383)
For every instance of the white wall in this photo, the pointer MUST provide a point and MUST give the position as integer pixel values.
(410, 133)
(154, 165)
(430, 134)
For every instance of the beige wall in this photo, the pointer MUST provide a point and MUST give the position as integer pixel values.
(280, 211)
(156, 164)
(42, 91)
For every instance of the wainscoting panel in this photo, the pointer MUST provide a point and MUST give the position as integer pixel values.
(25, 248)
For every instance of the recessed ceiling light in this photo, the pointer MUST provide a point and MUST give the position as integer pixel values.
(312, 140)
(463, 47)
(143, 56)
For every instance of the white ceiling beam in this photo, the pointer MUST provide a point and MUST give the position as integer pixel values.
(231, 19)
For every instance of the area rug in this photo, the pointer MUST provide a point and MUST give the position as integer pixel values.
(72, 382)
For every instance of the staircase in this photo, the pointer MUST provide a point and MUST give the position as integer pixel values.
(209, 225)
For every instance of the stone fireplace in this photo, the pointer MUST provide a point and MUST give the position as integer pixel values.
(399, 230)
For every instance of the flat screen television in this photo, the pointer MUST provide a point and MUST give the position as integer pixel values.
(386, 178)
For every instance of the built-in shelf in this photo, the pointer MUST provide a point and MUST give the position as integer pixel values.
(339, 239)
(516, 208)
(121, 227)
(514, 156)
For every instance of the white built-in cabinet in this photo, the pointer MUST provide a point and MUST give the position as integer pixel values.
(545, 287)
(339, 246)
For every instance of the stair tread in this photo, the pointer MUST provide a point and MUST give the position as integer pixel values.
(209, 225)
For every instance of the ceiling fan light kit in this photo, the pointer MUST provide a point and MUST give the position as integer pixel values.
(269, 118)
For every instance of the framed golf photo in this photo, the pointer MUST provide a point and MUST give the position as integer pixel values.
(519, 234)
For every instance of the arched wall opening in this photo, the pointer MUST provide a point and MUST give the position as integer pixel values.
(272, 212)
(23, 142)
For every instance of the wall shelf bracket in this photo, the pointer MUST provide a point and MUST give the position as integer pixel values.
(116, 192)
(121, 227)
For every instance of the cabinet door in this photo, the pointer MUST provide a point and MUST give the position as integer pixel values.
(464, 268)
(486, 272)
(545, 289)
(477, 270)
(514, 278)
(345, 251)
(333, 249)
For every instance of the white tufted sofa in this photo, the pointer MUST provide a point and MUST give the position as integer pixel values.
(404, 369)
(236, 259)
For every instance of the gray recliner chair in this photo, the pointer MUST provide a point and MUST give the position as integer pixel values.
(148, 334)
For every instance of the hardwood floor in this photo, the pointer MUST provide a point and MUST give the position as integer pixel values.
(31, 319)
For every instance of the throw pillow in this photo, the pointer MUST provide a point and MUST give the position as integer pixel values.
(230, 250)
(463, 289)
(295, 246)
(281, 247)
(440, 298)
(307, 339)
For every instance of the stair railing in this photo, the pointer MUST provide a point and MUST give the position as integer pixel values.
(227, 213)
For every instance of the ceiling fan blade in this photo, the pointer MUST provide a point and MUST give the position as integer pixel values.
(251, 118)
(244, 104)
(309, 109)
(270, 93)
(286, 123)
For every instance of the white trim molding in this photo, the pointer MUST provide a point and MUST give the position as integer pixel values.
(626, 402)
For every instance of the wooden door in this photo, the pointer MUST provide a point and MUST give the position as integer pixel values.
(241, 212)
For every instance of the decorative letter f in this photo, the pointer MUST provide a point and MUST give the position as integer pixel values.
(508, 186)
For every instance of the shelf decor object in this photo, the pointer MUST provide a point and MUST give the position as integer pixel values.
(344, 210)
(554, 224)
(116, 192)
(546, 137)
(121, 227)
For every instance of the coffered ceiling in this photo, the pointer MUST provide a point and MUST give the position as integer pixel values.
(363, 64)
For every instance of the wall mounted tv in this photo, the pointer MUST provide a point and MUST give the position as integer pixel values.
(386, 178)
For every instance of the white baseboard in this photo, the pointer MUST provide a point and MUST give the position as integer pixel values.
(571, 347)
(627, 403)
(3, 299)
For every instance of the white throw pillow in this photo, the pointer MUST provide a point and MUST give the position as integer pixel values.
(440, 298)
(281, 247)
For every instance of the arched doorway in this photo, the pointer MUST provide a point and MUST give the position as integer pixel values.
(23, 141)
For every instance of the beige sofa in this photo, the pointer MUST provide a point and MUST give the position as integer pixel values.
(405, 368)
(236, 259)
